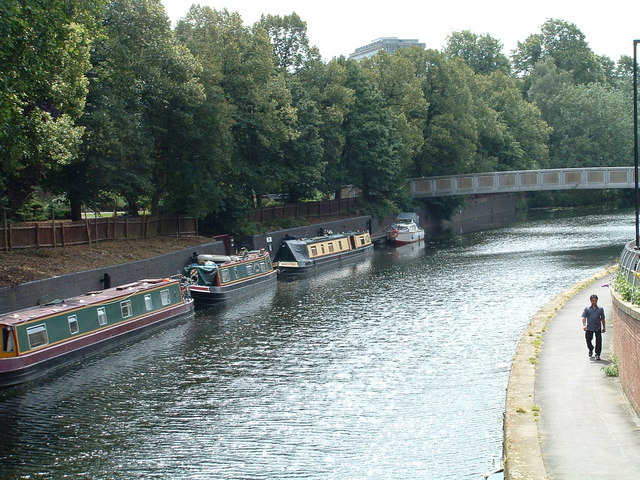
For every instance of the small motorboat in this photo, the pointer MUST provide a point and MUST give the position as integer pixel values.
(405, 230)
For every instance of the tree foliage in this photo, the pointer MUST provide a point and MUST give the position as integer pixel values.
(105, 100)
(369, 158)
(523, 137)
(482, 53)
(290, 42)
(44, 55)
(141, 131)
(566, 46)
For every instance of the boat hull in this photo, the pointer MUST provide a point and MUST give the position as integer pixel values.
(27, 367)
(211, 295)
(313, 265)
(404, 238)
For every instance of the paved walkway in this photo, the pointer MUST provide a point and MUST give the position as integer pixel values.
(587, 427)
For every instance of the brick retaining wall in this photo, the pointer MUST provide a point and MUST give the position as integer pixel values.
(626, 347)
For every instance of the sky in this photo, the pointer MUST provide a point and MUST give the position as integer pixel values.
(338, 27)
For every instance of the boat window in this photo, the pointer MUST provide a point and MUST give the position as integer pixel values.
(148, 303)
(7, 340)
(362, 241)
(235, 272)
(263, 266)
(165, 298)
(340, 244)
(249, 268)
(102, 316)
(330, 247)
(224, 275)
(37, 336)
(314, 251)
(73, 324)
(125, 307)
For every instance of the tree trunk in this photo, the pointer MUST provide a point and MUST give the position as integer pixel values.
(76, 209)
(132, 207)
(155, 204)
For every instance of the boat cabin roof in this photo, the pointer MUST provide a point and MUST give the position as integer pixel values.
(58, 306)
(323, 238)
(299, 247)
(220, 260)
(407, 217)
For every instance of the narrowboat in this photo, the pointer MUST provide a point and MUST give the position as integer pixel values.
(41, 338)
(405, 230)
(213, 279)
(302, 255)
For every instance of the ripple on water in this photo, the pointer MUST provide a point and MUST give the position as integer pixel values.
(390, 368)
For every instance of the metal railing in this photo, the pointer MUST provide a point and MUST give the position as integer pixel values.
(629, 263)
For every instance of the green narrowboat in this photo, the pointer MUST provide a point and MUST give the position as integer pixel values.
(302, 255)
(215, 279)
(38, 339)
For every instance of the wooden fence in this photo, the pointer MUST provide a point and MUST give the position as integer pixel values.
(52, 234)
(304, 210)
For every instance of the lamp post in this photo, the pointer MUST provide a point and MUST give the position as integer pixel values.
(635, 134)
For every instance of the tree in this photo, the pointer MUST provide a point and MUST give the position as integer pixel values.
(303, 157)
(44, 55)
(369, 158)
(289, 39)
(482, 53)
(451, 131)
(621, 76)
(141, 141)
(395, 78)
(303, 164)
(326, 85)
(593, 129)
(566, 45)
(588, 121)
(524, 134)
(262, 118)
(546, 83)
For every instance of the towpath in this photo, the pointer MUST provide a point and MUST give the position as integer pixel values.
(587, 427)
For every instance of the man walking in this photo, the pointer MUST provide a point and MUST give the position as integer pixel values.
(593, 323)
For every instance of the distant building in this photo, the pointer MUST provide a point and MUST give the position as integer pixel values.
(388, 44)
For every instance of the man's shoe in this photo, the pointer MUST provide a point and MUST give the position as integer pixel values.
(590, 353)
(597, 357)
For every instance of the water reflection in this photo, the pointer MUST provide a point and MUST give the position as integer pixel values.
(393, 367)
(409, 251)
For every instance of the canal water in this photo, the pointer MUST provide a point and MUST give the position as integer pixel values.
(394, 367)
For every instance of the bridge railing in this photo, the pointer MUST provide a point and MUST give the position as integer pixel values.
(523, 181)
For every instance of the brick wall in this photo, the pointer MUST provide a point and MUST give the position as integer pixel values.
(626, 346)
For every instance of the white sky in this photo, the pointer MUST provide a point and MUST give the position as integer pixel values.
(339, 27)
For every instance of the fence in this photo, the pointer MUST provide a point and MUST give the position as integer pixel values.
(303, 210)
(62, 233)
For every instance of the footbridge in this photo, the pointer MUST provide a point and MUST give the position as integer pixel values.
(523, 181)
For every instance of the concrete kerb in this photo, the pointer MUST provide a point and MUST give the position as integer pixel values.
(522, 456)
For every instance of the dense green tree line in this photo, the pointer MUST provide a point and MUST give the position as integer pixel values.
(104, 103)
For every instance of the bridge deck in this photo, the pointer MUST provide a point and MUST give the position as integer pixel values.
(523, 181)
